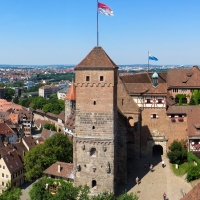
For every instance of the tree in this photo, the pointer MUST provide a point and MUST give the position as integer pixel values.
(66, 191)
(50, 127)
(56, 148)
(178, 152)
(196, 96)
(11, 194)
(126, 196)
(16, 100)
(9, 93)
(192, 101)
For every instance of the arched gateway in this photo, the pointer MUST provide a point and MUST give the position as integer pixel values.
(157, 150)
(156, 145)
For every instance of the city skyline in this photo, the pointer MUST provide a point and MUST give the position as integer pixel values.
(60, 32)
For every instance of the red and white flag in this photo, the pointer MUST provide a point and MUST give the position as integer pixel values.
(104, 9)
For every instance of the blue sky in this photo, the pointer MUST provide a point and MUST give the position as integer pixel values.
(37, 32)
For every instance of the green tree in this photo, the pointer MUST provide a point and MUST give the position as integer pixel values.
(178, 152)
(193, 173)
(9, 93)
(11, 194)
(126, 196)
(48, 108)
(196, 96)
(16, 100)
(104, 196)
(38, 102)
(192, 101)
(56, 148)
(180, 97)
(66, 191)
(50, 127)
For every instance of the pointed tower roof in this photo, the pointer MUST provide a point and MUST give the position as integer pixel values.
(96, 59)
(71, 95)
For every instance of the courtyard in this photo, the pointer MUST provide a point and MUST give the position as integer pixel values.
(154, 184)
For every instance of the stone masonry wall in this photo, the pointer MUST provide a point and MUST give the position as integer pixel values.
(160, 126)
(95, 130)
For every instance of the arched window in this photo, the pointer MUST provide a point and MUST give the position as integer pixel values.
(94, 184)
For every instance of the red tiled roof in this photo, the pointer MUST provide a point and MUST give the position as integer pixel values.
(32, 142)
(179, 109)
(6, 130)
(193, 122)
(71, 95)
(146, 88)
(193, 194)
(13, 161)
(47, 133)
(66, 170)
(97, 58)
(184, 78)
(141, 77)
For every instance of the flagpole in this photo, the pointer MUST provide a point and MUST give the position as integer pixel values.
(148, 62)
(97, 25)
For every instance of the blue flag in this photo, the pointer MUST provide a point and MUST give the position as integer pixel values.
(153, 58)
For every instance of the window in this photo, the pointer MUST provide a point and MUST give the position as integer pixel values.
(184, 90)
(148, 100)
(87, 78)
(92, 152)
(122, 102)
(0, 166)
(101, 78)
(175, 90)
(154, 116)
(94, 184)
(93, 127)
(2, 174)
(7, 176)
(159, 100)
(17, 163)
(2, 183)
(7, 159)
(11, 166)
(94, 102)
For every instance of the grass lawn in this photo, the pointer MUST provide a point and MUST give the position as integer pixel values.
(182, 169)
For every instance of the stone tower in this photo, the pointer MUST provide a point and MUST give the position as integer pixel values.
(70, 101)
(95, 138)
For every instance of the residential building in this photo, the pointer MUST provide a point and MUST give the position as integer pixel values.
(61, 170)
(61, 94)
(47, 90)
(26, 119)
(7, 135)
(11, 170)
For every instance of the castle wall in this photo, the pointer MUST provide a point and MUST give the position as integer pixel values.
(160, 126)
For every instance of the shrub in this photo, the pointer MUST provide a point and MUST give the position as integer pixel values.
(178, 152)
(193, 173)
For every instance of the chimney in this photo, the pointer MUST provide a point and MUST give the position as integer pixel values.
(58, 167)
